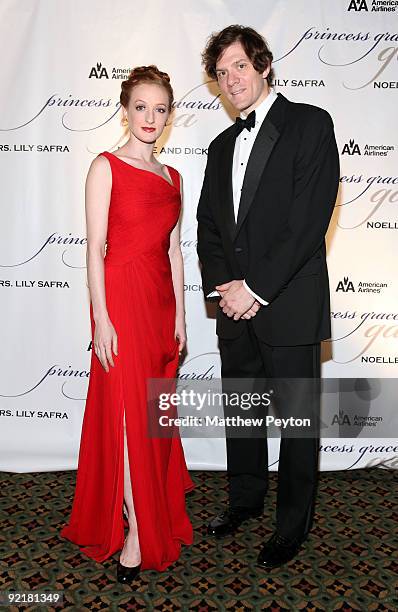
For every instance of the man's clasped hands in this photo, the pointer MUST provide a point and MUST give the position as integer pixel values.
(236, 301)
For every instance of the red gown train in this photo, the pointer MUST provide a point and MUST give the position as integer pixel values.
(144, 209)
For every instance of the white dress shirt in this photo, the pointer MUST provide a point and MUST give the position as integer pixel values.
(243, 146)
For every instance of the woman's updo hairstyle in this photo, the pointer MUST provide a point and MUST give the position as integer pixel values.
(145, 74)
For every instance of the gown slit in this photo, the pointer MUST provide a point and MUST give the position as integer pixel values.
(127, 455)
(126, 449)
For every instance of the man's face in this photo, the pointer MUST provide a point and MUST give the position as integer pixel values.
(244, 87)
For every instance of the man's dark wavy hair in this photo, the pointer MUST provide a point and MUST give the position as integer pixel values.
(255, 46)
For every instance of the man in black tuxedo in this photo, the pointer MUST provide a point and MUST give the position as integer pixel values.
(268, 194)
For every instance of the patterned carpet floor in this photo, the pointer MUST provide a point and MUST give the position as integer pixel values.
(349, 561)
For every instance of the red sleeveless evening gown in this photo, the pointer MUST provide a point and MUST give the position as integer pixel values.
(144, 209)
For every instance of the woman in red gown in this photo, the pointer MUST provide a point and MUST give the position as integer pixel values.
(137, 317)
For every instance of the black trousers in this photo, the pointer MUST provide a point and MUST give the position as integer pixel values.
(247, 457)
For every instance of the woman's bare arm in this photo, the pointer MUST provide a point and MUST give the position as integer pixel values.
(98, 193)
(177, 270)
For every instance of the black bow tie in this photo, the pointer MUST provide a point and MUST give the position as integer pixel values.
(247, 123)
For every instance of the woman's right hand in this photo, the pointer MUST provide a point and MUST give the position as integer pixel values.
(105, 341)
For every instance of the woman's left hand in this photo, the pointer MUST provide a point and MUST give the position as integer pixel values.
(180, 334)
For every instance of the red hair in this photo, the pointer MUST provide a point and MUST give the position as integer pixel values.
(145, 74)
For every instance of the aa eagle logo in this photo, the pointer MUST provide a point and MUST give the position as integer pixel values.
(98, 72)
(357, 5)
(351, 148)
(345, 285)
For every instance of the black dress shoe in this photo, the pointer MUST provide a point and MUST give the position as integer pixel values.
(125, 575)
(278, 551)
(228, 521)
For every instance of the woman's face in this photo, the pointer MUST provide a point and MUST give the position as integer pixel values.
(147, 111)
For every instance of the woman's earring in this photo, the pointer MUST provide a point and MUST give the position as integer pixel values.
(125, 122)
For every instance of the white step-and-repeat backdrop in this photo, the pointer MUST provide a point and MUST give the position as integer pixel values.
(61, 71)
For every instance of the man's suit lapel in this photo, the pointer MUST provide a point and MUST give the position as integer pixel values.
(225, 180)
(266, 139)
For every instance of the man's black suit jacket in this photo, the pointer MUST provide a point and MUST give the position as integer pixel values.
(278, 242)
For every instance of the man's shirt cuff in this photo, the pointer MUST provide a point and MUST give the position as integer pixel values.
(213, 294)
(258, 298)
